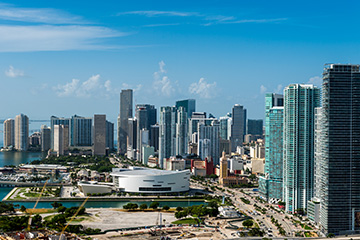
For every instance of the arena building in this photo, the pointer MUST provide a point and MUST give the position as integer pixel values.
(147, 180)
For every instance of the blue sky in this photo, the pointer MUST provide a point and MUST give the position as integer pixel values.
(73, 57)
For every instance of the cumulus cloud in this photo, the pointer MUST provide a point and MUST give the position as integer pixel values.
(263, 89)
(203, 89)
(317, 81)
(13, 73)
(279, 89)
(91, 87)
(162, 84)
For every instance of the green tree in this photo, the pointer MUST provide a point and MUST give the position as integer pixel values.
(143, 206)
(248, 223)
(165, 208)
(178, 209)
(61, 209)
(23, 208)
(154, 205)
(56, 205)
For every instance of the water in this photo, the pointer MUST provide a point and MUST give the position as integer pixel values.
(100, 204)
(16, 158)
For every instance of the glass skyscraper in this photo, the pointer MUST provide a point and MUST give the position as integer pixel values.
(300, 101)
(271, 183)
(80, 131)
(167, 133)
(340, 150)
(238, 127)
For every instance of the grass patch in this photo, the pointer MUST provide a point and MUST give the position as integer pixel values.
(306, 227)
(40, 210)
(190, 221)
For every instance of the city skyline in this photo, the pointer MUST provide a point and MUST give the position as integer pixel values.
(165, 52)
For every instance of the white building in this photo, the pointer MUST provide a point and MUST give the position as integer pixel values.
(146, 180)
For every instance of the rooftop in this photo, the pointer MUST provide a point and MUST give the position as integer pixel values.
(137, 171)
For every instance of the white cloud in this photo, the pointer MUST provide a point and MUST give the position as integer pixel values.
(161, 13)
(263, 89)
(279, 89)
(13, 73)
(203, 89)
(37, 15)
(317, 81)
(91, 87)
(162, 84)
(54, 38)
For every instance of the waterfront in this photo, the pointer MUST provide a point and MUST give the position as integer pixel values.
(17, 158)
(99, 204)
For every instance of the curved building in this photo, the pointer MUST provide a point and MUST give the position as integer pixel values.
(147, 180)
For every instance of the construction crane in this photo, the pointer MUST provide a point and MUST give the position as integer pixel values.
(42, 191)
(72, 218)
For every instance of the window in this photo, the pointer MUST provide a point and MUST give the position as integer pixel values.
(154, 189)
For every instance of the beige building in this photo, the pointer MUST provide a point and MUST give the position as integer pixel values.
(9, 133)
(21, 132)
(61, 139)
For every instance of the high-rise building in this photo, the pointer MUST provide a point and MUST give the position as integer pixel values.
(238, 127)
(254, 127)
(99, 147)
(209, 141)
(126, 112)
(80, 131)
(196, 117)
(225, 127)
(109, 135)
(223, 168)
(300, 101)
(57, 121)
(61, 139)
(132, 138)
(45, 138)
(154, 137)
(9, 133)
(167, 133)
(188, 105)
(21, 132)
(340, 145)
(271, 183)
(181, 131)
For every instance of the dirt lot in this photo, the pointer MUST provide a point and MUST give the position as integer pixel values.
(105, 218)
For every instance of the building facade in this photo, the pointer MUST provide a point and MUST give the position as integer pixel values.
(57, 121)
(99, 147)
(340, 158)
(188, 105)
(181, 131)
(126, 112)
(80, 131)
(45, 138)
(167, 133)
(238, 127)
(9, 133)
(254, 127)
(21, 132)
(300, 101)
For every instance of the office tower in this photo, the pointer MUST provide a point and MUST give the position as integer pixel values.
(196, 117)
(80, 131)
(126, 112)
(45, 138)
(181, 131)
(340, 144)
(142, 124)
(109, 135)
(57, 121)
(35, 139)
(9, 133)
(300, 101)
(225, 127)
(167, 133)
(132, 138)
(154, 137)
(238, 127)
(209, 141)
(99, 140)
(317, 151)
(188, 105)
(254, 127)
(271, 183)
(151, 114)
(61, 139)
(21, 132)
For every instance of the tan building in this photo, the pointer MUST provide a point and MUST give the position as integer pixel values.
(223, 168)
(61, 139)
(9, 133)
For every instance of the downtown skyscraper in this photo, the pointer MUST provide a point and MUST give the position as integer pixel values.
(340, 150)
(167, 133)
(271, 183)
(238, 127)
(126, 112)
(300, 101)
